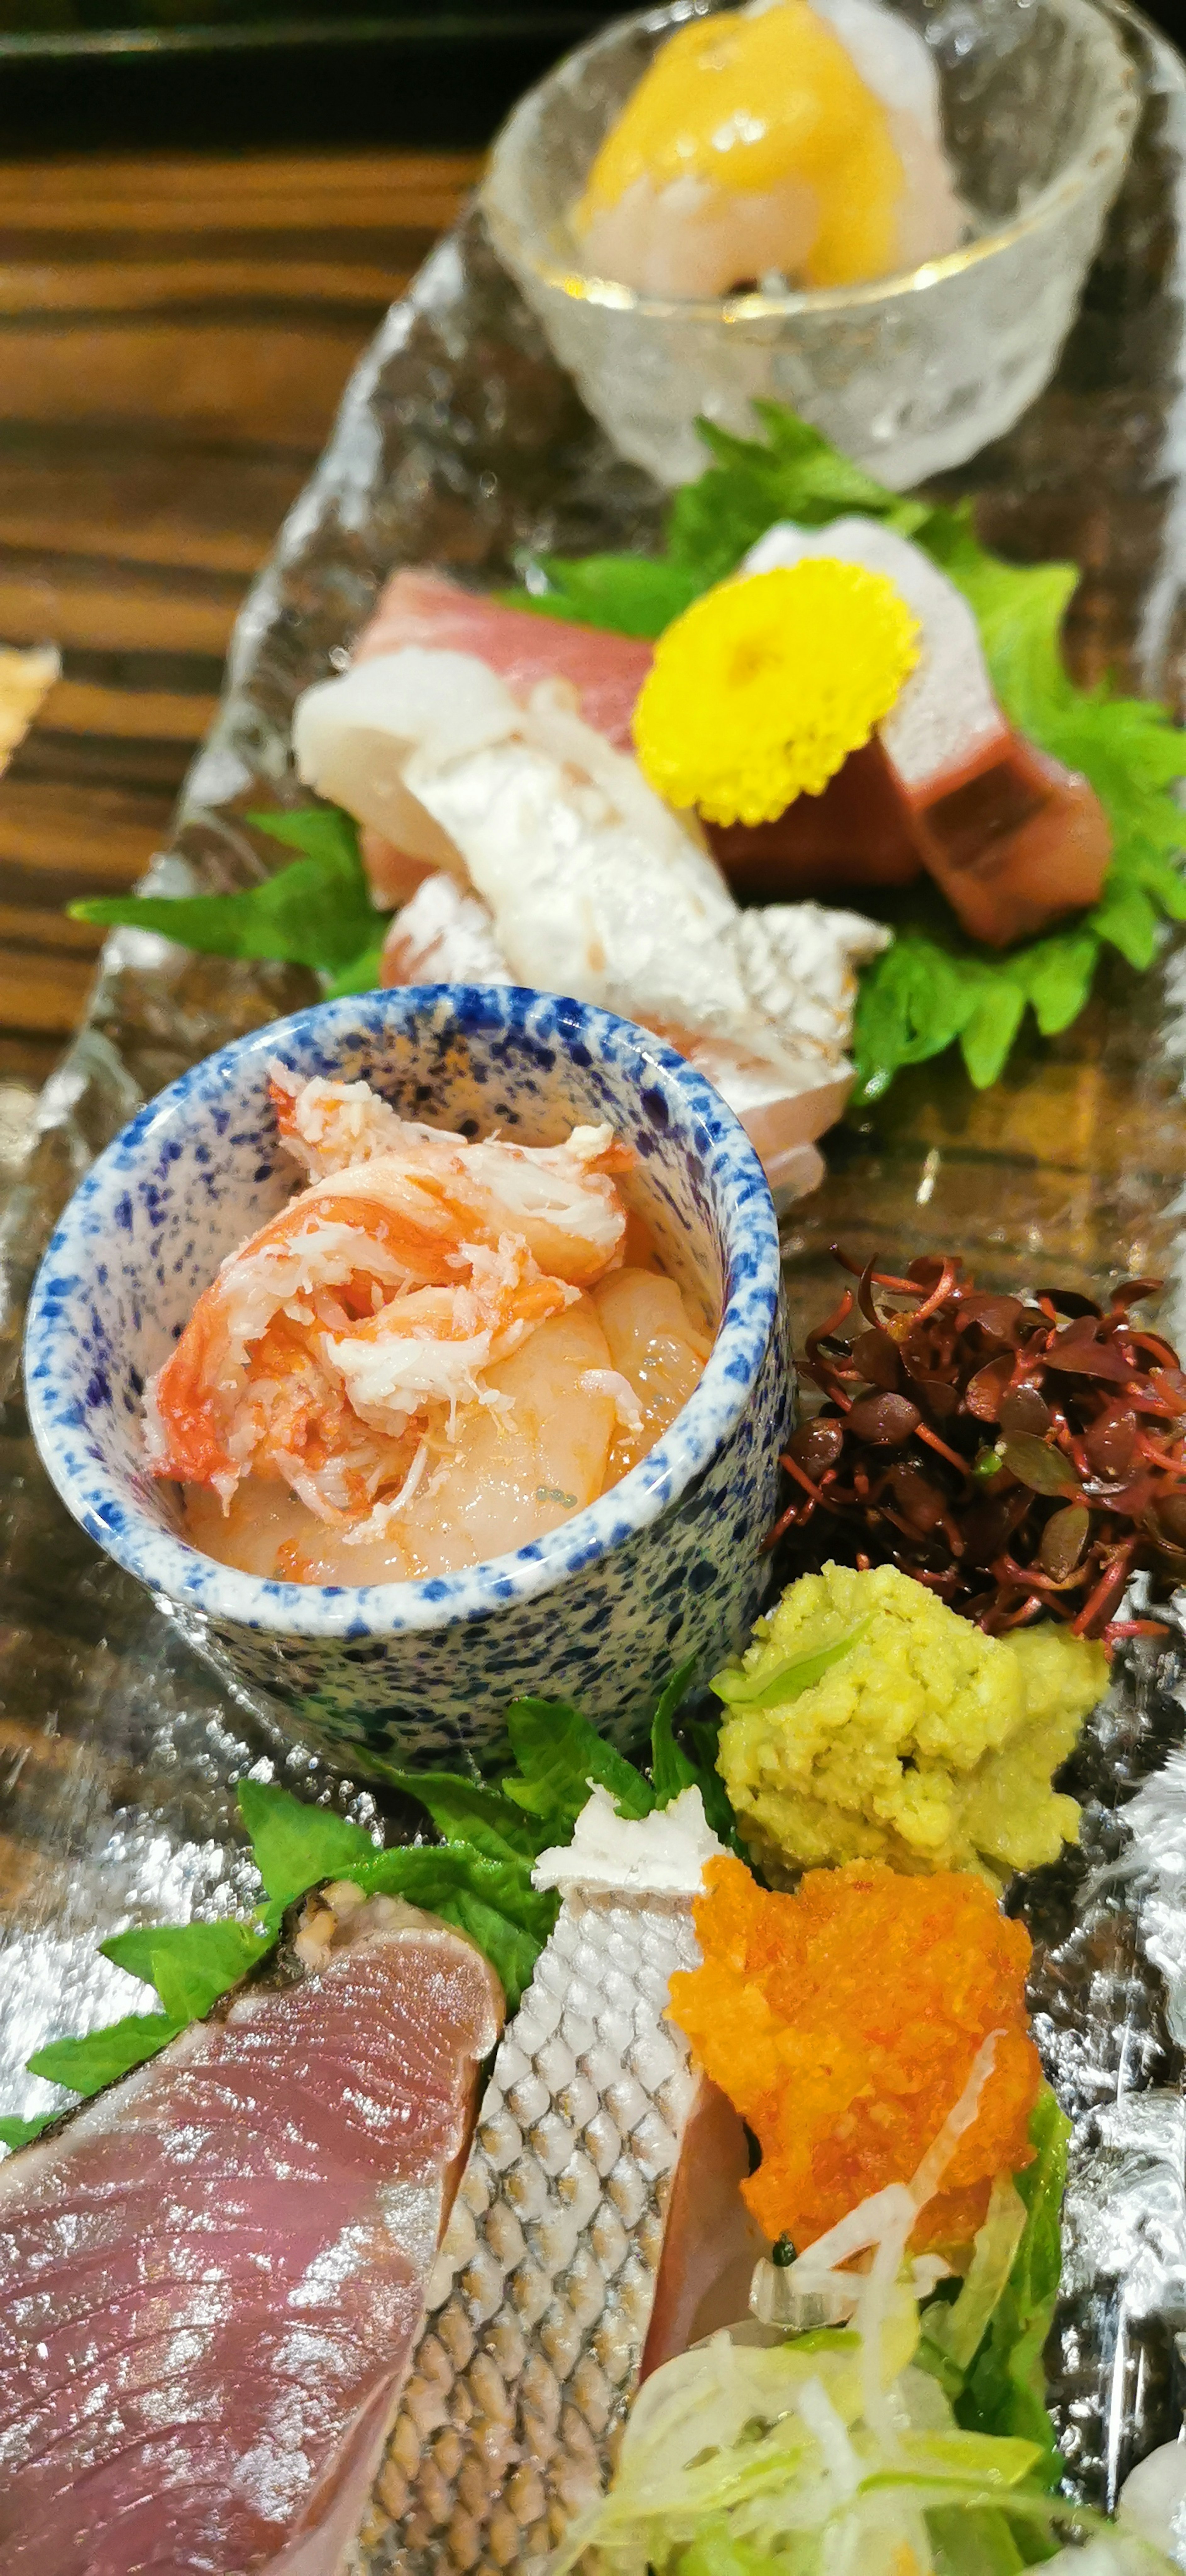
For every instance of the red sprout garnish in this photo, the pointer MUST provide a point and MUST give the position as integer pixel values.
(1021, 1456)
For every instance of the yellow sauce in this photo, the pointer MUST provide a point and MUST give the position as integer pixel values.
(752, 106)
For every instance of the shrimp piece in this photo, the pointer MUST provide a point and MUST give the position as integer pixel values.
(656, 1349)
(339, 1344)
(521, 1464)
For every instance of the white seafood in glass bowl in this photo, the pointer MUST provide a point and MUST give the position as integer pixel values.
(948, 334)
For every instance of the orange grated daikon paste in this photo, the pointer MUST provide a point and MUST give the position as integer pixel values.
(843, 2023)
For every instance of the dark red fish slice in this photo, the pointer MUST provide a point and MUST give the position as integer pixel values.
(214, 2276)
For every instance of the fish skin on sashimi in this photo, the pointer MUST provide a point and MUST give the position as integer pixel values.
(541, 2301)
(216, 2272)
(425, 608)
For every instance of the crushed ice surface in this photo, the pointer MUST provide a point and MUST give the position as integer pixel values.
(54, 1983)
(1109, 1928)
(1156, 1819)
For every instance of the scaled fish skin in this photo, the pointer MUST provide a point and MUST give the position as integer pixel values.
(542, 2297)
(216, 2271)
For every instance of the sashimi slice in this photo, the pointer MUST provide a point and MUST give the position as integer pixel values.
(542, 2297)
(424, 608)
(857, 833)
(572, 876)
(1014, 839)
(712, 2242)
(216, 2272)
(443, 936)
(606, 670)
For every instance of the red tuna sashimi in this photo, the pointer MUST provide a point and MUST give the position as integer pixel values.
(216, 2273)
(424, 608)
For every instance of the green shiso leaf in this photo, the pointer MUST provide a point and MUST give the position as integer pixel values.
(465, 1811)
(294, 1845)
(933, 988)
(671, 1768)
(364, 974)
(491, 1900)
(316, 912)
(792, 473)
(558, 1754)
(16, 2133)
(493, 1833)
(190, 1964)
(628, 594)
(86, 2065)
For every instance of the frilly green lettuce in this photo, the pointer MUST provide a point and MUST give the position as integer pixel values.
(987, 2349)
(739, 2458)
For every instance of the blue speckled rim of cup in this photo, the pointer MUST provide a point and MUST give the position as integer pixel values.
(678, 1099)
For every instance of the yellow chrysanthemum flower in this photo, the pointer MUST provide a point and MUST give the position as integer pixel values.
(758, 693)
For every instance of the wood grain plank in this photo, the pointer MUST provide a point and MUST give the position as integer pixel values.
(76, 288)
(175, 334)
(101, 837)
(219, 377)
(80, 706)
(348, 190)
(193, 509)
(27, 927)
(45, 995)
(120, 605)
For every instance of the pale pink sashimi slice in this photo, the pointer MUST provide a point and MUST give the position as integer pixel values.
(711, 2242)
(217, 2272)
(443, 936)
(423, 608)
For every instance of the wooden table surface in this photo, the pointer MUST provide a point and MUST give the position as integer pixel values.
(177, 331)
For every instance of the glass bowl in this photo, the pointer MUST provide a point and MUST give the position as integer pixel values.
(1039, 101)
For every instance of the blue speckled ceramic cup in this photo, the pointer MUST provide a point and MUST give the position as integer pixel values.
(664, 1568)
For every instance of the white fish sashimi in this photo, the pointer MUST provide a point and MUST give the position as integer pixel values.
(352, 738)
(444, 936)
(578, 879)
(802, 960)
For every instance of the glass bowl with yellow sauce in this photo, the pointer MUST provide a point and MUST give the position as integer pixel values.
(879, 212)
